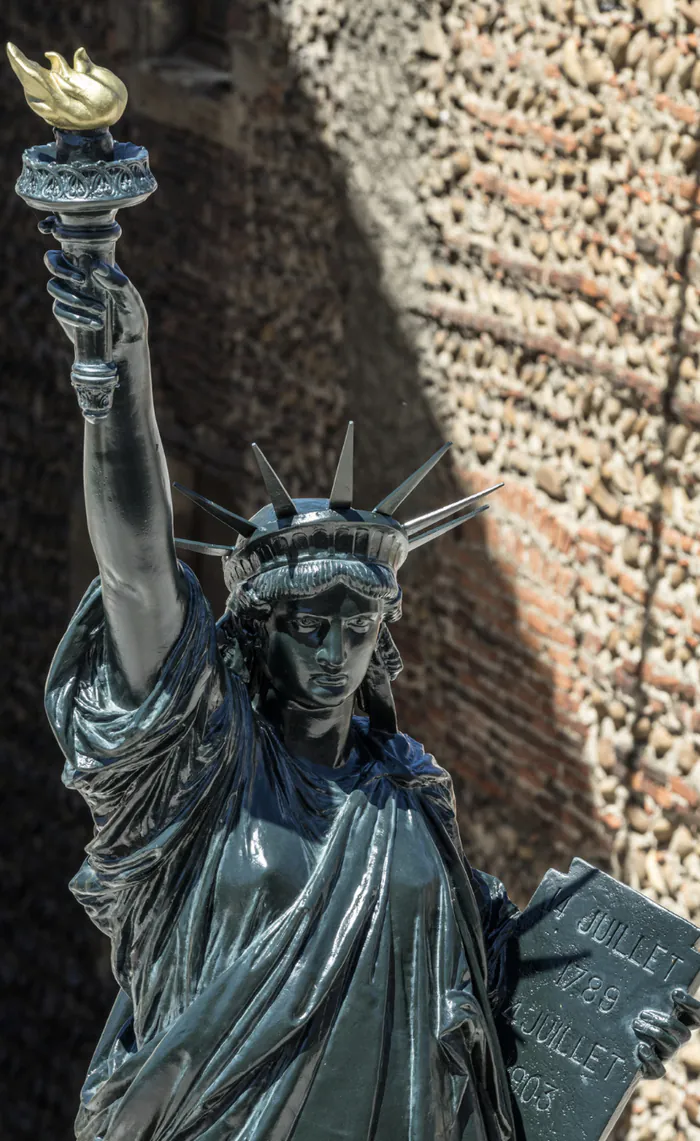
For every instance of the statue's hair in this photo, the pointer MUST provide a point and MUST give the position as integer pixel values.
(250, 603)
(311, 577)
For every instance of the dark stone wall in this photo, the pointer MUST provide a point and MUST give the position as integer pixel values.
(54, 976)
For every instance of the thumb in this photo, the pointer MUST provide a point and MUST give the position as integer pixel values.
(687, 1006)
(109, 276)
(115, 283)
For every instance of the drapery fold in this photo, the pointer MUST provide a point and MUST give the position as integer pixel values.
(302, 953)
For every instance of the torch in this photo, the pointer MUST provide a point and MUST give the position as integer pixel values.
(82, 179)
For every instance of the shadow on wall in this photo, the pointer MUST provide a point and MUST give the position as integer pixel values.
(268, 322)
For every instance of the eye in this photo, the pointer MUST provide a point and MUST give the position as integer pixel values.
(305, 622)
(361, 625)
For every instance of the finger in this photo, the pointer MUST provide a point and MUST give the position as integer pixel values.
(651, 1023)
(644, 1022)
(680, 1030)
(659, 1034)
(652, 1067)
(76, 318)
(74, 298)
(687, 1005)
(58, 264)
(109, 276)
(664, 1041)
(47, 225)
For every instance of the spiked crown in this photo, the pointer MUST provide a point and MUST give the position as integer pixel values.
(289, 531)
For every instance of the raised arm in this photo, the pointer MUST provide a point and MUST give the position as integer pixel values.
(127, 492)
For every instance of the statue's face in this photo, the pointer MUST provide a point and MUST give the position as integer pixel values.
(319, 648)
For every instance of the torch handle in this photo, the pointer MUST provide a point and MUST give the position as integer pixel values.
(92, 345)
(94, 373)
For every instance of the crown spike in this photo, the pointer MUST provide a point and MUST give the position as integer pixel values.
(280, 498)
(341, 492)
(395, 498)
(202, 548)
(428, 536)
(228, 518)
(423, 521)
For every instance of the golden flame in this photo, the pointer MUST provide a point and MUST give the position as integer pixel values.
(78, 98)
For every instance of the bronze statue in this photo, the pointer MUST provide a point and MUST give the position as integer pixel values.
(302, 950)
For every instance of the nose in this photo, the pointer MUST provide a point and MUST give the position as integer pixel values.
(333, 651)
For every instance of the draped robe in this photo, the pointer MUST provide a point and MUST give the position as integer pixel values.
(302, 952)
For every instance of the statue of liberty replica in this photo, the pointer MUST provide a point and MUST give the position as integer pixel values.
(301, 949)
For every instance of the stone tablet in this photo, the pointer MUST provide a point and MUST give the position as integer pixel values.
(592, 954)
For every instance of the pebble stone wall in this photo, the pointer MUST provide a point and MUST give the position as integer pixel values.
(562, 185)
(450, 221)
(557, 200)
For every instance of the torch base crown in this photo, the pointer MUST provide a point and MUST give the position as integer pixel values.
(47, 184)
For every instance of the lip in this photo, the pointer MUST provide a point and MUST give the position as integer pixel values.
(331, 681)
